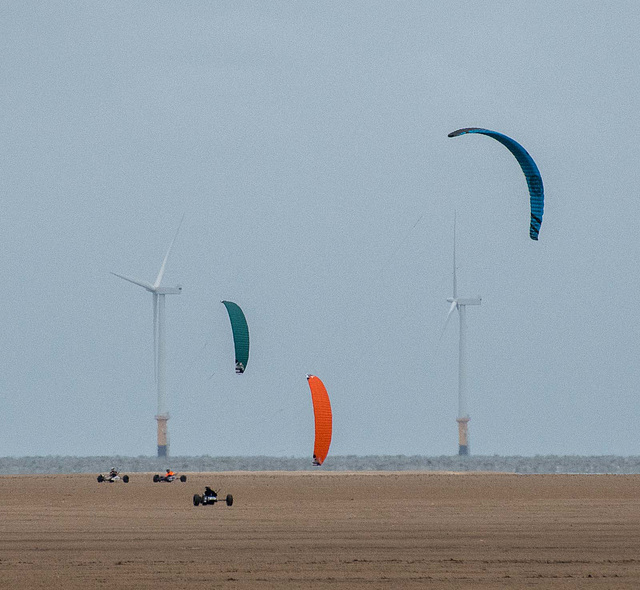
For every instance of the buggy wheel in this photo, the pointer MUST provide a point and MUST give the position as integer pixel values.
(183, 478)
(156, 478)
(100, 478)
(229, 500)
(196, 500)
(125, 478)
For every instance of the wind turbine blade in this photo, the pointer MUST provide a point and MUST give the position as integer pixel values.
(455, 282)
(446, 323)
(164, 262)
(155, 336)
(144, 284)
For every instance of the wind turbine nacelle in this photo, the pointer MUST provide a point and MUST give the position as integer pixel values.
(469, 301)
(169, 290)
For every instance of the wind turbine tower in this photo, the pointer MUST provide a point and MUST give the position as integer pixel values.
(159, 347)
(460, 304)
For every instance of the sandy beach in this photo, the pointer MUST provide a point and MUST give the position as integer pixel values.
(322, 530)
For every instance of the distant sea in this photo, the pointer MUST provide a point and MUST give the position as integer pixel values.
(538, 464)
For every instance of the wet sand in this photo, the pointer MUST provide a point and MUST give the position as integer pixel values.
(322, 530)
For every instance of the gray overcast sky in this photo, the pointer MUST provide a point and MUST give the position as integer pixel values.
(303, 141)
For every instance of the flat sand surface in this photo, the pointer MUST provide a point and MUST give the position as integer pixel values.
(322, 530)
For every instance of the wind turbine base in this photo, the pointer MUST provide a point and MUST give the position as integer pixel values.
(163, 442)
(463, 435)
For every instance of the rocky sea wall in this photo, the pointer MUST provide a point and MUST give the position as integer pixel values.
(507, 464)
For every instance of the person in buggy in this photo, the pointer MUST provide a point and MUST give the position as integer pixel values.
(210, 497)
(113, 476)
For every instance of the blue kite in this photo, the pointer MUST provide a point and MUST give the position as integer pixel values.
(529, 168)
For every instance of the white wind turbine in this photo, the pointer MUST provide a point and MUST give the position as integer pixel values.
(159, 349)
(460, 304)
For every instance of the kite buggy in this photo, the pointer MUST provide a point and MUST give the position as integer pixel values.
(210, 497)
(113, 476)
(169, 476)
